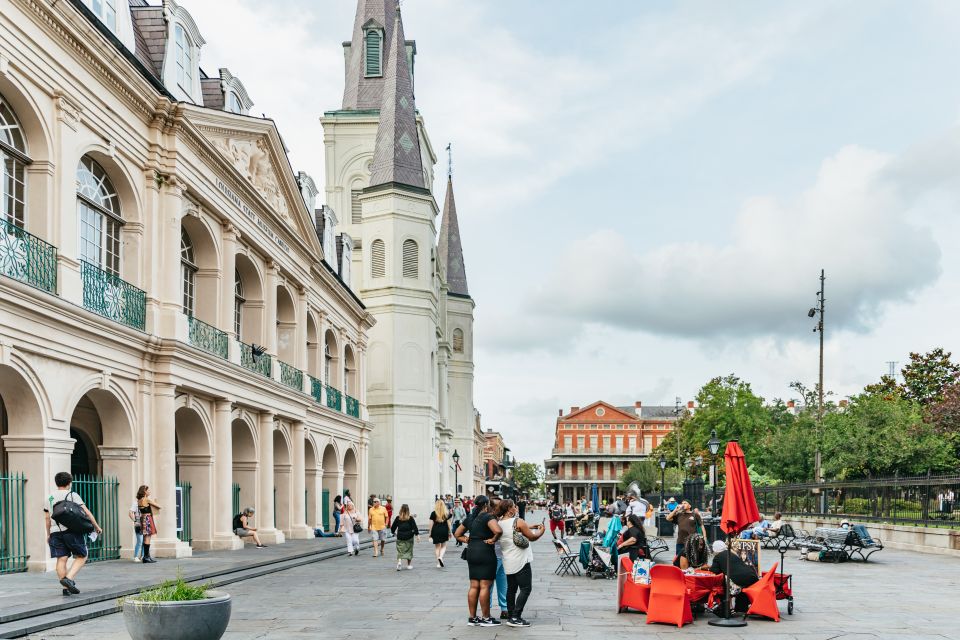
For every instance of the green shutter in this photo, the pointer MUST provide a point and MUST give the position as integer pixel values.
(373, 53)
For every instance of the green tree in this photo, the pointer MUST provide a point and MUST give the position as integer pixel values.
(529, 477)
(646, 473)
(927, 375)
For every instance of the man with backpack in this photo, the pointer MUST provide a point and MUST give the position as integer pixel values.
(68, 522)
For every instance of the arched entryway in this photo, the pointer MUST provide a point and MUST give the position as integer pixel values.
(248, 306)
(349, 372)
(313, 347)
(330, 482)
(194, 478)
(351, 476)
(199, 270)
(311, 484)
(281, 482)
(244, 442)
(286, 326)
(331, 360)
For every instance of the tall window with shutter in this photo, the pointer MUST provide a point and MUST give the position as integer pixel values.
(411, 259)
(378, 259)
(374, 53)
(356, 212)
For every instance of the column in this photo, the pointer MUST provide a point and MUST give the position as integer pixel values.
(228, 269)
(223, 537)
(163, 485)
(166, 279)
(442, 385)
(298, 527)
(264, 521)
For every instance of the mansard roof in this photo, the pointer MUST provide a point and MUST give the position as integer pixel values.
(359, 91)
(396, 156)
(450, 248)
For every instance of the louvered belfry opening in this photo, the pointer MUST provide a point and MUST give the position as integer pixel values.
(378, 259)
(411, 259)
(356, 211)
(373, 53)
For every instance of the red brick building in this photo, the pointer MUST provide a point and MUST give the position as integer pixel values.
(596, 444)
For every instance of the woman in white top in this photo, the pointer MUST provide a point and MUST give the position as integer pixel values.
(347, 520)
(517, 560)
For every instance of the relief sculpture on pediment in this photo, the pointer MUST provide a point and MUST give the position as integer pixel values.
(252, 160)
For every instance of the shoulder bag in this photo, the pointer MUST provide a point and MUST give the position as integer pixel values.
(357, 527)
(71, 516)
(519, 539)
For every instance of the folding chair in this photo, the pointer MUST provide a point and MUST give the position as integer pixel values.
(568, 559)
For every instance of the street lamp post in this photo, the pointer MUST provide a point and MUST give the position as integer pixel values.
(713, 444)
(456, 478)
(819, 328)
(663, 466)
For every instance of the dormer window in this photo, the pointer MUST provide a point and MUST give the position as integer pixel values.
(373, 43)
(233, 103)
(184, 57)
(106, 10)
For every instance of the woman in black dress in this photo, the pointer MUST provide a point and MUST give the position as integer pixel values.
(635, 539)
(484, 531)
(439, 531)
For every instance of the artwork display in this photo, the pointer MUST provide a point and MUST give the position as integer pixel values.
(749, 552)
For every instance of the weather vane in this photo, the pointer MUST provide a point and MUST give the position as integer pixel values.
(449, 159)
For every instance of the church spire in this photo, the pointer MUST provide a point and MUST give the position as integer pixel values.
(449, 249)
(373, 25)
(396, 156)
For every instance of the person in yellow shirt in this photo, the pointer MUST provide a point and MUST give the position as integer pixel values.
(377, 526)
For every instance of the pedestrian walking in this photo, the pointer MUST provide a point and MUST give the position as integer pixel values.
(439, 531)
(459, 515)
(480, 532)
(337, 510)
(406, 530)
(147, 509)
(517, 559)
(377, 526)
(500, 581)
(67, 522)
(350, 528)
(134, 514)
(389, 507)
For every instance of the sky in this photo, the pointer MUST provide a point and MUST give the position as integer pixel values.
(647, 191)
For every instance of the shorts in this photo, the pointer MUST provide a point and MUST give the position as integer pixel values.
(243, 533)
(556, 524)
(379, 534)
(64, 544)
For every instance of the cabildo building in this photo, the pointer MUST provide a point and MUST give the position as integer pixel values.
(175, 310)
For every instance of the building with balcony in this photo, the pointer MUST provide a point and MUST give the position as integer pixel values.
(175, 309)
(595, 445)
(497, 466)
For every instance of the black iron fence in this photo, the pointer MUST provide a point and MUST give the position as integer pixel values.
(100, 494)
(13, 546)
(920, 500)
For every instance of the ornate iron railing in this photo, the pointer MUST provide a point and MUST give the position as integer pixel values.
(261, 364)
(353, 407)
(291, 376)
(208, 337)
(13, 524)
(101, 495)
(316, 390)
(27, 258)
(333, 398)
(113, 297)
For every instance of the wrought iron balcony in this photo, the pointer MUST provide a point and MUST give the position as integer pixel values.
(291, 376)
(316, 390)
(261, 364)
(112, 297)
(333, 398)
(353, 407)
(27, 258)
(207, 337)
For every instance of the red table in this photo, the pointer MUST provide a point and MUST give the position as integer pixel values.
(704, 585)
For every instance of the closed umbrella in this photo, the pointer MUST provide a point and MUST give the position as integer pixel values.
(595, 498)
(739, 512)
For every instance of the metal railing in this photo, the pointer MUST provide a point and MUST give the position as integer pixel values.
(316, 390)
(27, 258)
(101, 494)
(291, 376)
(13, 544)
(236, 498)
(333, 398)
(113, 297)
(261, 364)
(185, 524)
(919, 500)
(207, 337)
(353, 407)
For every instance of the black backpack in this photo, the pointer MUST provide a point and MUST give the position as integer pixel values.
(71, 516)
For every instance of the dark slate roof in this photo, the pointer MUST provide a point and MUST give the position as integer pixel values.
(396, 156)
(212, 93)
(150, 33)
(360, 92)
(449, 248)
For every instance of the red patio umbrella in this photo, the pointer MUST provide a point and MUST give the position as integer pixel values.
(739, 512)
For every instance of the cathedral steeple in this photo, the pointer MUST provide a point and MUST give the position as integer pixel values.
(396, 156)
(368, 48)
(450, 249)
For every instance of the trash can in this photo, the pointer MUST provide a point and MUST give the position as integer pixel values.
(664, 526)
(713, 531)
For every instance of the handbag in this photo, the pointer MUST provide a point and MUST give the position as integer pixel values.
(357, 527)
(519, 539)
(70, 515)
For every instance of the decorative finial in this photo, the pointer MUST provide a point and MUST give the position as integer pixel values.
(450, 160)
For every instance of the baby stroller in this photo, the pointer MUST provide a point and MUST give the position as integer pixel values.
(587, 526)
(603, 563)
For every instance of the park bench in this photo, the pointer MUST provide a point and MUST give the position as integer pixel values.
(657, 545)
(844, 543)
(860, 541)
(783, 539)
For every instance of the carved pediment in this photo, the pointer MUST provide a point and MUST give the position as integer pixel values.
(252, 159)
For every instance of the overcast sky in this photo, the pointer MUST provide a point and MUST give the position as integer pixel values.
(648, 190)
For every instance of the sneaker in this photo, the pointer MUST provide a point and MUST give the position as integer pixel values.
(356, 552)
(489, 622)
(410, 567)
(474, 622)
(440, 560)
(69, 585)
(66, 592)
(398, 566)
(137, 560)
(505, 615)
(517, 622)
(261, 546)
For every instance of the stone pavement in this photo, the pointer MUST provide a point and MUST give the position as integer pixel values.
(898, 594)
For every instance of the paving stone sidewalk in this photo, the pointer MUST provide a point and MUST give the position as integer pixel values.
(898, 594)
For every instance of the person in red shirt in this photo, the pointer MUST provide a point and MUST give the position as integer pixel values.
(389, 507)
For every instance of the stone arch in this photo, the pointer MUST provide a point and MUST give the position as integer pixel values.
(253, 305)
(286, 325)
(26, 403)
(331, 480)
(331, 359)
(38, 182)
(29, 115)
(282, 479)
(350, 372)
(313, 346)
(112, 403)
(351, 474)
(193, 430)
(245, 460)
(311, 481)
(206, 256)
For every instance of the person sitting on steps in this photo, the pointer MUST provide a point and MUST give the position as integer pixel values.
(241, 526)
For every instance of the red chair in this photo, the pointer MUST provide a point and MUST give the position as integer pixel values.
(632, 595)
(669, 602)
(763, 596)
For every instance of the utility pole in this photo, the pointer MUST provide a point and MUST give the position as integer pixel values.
(676, 431)
(819, 309)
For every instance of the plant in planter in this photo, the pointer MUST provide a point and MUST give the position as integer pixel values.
(176, 610)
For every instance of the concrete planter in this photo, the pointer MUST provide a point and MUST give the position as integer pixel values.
(190, 620)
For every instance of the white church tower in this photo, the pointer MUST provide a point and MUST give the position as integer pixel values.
(379, 174)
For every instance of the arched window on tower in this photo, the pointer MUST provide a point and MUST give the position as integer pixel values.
(378, 259)
(458, 340)
(238, 301)
(373, 54)
(98, 207)
(13, 162)
(188, 273)
(411, 259)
